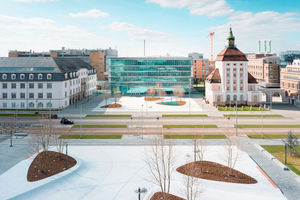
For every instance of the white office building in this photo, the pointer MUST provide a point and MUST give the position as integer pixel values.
(44, 82)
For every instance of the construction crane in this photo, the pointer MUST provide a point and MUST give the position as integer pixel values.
(211, 48)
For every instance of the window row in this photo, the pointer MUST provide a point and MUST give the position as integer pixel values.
(13, 95)
(234, 75)
(291, 85)
(30, 85)
(22, 76)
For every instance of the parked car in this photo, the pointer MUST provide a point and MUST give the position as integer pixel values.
(54, 116)
(66, 121)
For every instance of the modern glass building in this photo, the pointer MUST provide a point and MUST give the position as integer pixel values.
(133, 75)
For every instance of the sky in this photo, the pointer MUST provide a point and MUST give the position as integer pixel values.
(174, 27)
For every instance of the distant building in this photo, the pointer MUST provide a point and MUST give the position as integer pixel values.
(133, 75)
(287, 57)
(201, 68)
(43, 83)
(290, 82)
(230, 82)
(96, 58)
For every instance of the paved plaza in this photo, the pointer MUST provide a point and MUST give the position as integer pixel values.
(136, 104)
(114, 172)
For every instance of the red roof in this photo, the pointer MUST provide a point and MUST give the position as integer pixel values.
(214, 77)
(231, 54)
(251, 79)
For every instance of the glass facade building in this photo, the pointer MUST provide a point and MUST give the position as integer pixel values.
(134, 75)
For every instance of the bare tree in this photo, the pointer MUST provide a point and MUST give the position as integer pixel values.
(171, 94)
(162, 94)
(116, 94)
(41, 141)
(232, 152)
(158, 87)
(201, 145)
(160, 159)
(178, 92)
(292, 143)
(192, 187)
(106, 96)
(61, 138)
(151, 91)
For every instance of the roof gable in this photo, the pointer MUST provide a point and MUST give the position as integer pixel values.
(231, 54)
(214, 77)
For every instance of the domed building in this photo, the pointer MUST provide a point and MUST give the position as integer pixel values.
(230, 82)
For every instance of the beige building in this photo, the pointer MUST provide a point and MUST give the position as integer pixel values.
(264, 69)
(290, 82)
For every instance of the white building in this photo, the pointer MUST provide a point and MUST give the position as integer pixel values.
(44, 82)
(230, 82)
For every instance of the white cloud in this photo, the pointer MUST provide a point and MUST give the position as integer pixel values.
(211, 8)
(137, 33)
(89, 14)
(42, 34)
(29, 1)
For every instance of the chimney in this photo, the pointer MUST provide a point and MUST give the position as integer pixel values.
(270, 46)
(259, 46)
(265, 45)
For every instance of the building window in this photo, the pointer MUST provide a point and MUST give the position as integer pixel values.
(22, 95)
(4, 85)
(31, 105)
(31, 76)
(13, 105)
(234, 97)
(250, 88)
(22, 105)
(4, 105)
(242, 97)
(49, 85)
(40, 85)
(66, 83)
(234, 88)
(22, 85)
(234, 75)
(31, 85)
(241, 81)
(283, 84)
(49, 76)
(31, 95)
(234, 64)
(66, 94)
(228, 97)
(13, 95)
(13, 86)
(234, 81)
(227, 88)
(40, 105)
(13, 76)
(293, 85)
(255, 98)
(22, 76)
(271, 75)
(4, 95)
(4, 76)
(227, 75)
(40, 95)
(218, 98)
(49, 105)
(70, 83)
(241, 74)
(289, 85)
(49, 95)
(40, 76)
(241, 88)
(271, 67)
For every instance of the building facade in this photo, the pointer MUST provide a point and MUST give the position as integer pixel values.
(133, 75)
(290, 82)
(44, 83)
(230, 82)
(201, 68)
(96, 58)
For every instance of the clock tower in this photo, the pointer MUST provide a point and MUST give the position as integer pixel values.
(230, 39)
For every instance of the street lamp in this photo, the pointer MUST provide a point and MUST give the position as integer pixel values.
(262, 122)
(236, 133)
(157, 124)
(59, 102)
(203, 121)
(142, 119)
(80, 121)
(131, 121)
(195, 148)
(139, 191)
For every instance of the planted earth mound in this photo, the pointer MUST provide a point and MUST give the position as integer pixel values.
(152, 98)
(215, 172)
(48, 164)
(172, 103)
(112, 106)
(158, 196)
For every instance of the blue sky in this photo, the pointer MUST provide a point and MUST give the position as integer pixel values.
(176, 27)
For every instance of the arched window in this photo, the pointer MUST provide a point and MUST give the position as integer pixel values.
(40, 76)
(49, 105)
(31, 76)
(49, 76)
(31, 105)
(4, 76)
(13, 76)
(22, 76)
(228, 97)
(255, 98)
(40, 105)
(234, 97)
(218, 98)
(242, 97)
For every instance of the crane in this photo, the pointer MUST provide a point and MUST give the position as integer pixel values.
(211, 48)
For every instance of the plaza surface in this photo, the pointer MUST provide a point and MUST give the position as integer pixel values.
(114, 172)
(135, 104)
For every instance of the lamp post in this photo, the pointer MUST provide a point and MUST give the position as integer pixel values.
(66, 156)
(157, 124)
(262, 123)
(203, 121)
(80, 121)
(59, 102)
(195, 148)
(190, 100)
(236, 132)
(131, 121)
(50, 117)
(142, 119)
